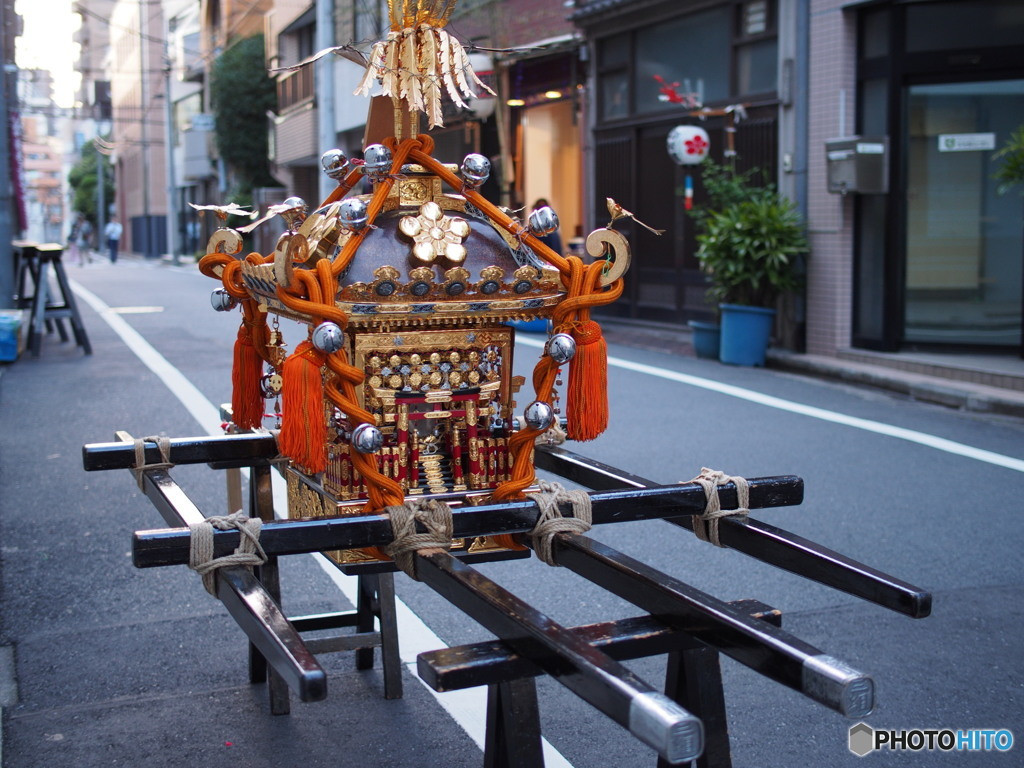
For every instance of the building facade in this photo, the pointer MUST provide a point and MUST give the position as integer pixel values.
(42, 157)
(926, 255)
(727, 66)
(139, 126)
(291, 37)
(934, 261)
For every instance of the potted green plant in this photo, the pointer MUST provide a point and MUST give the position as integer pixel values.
(750, 250)
(723, 185)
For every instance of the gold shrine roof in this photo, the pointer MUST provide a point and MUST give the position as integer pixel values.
(429, 259)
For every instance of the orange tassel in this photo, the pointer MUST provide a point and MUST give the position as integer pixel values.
(303, 426)
(586, 402)
(246, 371)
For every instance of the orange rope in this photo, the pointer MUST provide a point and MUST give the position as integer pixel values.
(250, 350)
(344, 187)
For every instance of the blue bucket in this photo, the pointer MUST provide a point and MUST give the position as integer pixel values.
(706, 339)
(10, 323)
(745, 334)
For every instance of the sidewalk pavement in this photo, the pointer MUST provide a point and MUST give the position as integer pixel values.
(981, 383)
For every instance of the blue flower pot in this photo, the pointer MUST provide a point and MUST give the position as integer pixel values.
(745, 334)
(540, 325)
(706, 339)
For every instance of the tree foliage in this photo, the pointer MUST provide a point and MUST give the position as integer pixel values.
(83, 178)
(242, 93)
(1011, 172)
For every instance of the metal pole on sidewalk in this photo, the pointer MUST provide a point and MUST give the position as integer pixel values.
(101, 197)
(172, 184)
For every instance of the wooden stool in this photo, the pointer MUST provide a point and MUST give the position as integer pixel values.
(47, 311)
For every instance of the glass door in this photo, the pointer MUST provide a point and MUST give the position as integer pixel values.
(964, 240)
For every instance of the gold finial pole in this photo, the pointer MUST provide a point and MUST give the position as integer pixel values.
(410, 13)
(420, 64)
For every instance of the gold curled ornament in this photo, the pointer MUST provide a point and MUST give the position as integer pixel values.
(322, 230)
(292, 248)
(611, 245)
(224, 240)
(434, 234)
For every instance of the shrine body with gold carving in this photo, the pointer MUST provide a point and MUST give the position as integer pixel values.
(407, 292)
(408, 443)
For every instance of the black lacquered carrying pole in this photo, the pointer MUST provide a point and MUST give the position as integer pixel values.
(595, 677)
(767, 649)
(171, 547)
(764, 542)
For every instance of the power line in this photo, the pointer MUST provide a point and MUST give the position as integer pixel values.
(134, 32)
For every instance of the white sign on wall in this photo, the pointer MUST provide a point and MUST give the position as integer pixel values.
(966, 142)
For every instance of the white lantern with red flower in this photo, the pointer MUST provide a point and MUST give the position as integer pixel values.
(688, 144)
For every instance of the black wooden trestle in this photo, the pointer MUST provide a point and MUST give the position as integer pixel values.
(683, 723)
(48, 308)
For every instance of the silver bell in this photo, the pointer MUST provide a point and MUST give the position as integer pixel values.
(543, 221)
(293, 211)
(377, 161)
(539, 415)
(328, 337)
(352, 214)
(334, 163)
(476, 169)
(222, 301)
(561, 348)
(366, 438)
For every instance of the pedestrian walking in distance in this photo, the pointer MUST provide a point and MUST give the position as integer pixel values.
(112, 232)
(80, 240)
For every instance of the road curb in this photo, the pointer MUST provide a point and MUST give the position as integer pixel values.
(965, 396)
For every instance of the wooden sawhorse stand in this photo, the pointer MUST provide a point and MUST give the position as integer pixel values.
(278, 655)
(513, 737)
(46, 311)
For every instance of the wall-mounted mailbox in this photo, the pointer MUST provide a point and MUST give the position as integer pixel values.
(858, 164)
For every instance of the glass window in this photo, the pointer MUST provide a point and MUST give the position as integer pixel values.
(869, 308)
(964, 24)
(874, 34)
(697, 48)
(613, 52)
(371, 20)
(874, 107)
(963, 240)
(184, 110)
(754, 18)
(757, 67)
(615, 96)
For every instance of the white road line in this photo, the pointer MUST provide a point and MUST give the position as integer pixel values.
(194, 401)
(468, 707)
(868, 425)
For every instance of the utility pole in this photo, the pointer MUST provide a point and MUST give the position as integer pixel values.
(148, 249)
(101, 196)
(172, 185)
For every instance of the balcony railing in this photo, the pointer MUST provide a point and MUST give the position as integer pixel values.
(294, 88)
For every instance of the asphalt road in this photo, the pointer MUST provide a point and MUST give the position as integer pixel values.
(117, 666)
